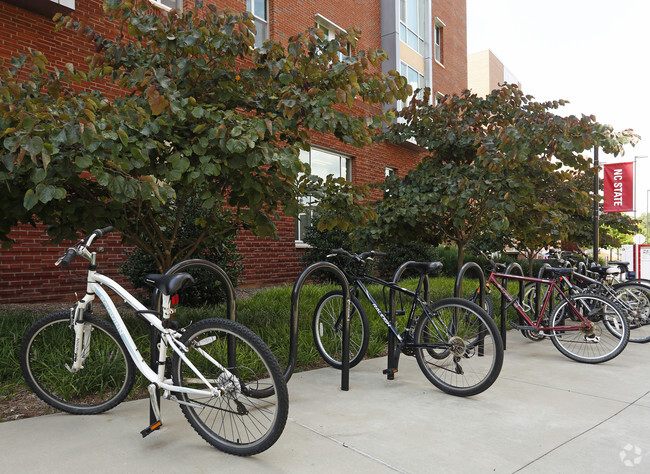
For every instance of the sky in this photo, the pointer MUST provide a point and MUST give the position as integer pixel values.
(593, 53)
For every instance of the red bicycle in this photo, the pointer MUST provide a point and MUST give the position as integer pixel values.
(584, 327)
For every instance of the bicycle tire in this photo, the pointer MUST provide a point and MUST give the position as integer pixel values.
(107, 375)
(327, 329)
(634, 299)
(456, 327)
(607, 337)
(489, 304)
(238, 421)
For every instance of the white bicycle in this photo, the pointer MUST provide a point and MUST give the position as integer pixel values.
(227, 382)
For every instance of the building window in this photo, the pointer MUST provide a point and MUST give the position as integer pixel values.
(259, 10)
(330, 29)
(412, 24)
(323, 163)
(168, 5)
(390, 171)
(414, 78)
(438, 98)
(438, 38)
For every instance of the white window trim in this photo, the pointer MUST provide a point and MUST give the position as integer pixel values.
(167, 8)
(348, 158)
(328, 23)
(437, 24)
(267, 35)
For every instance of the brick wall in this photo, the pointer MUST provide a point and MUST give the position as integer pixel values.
(451, 76)
(28, 274)
(26, 271)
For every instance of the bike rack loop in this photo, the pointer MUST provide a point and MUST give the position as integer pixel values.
(509, 271)
(392, 301)
(458, 288)
(458, 291)
(295, 299)
(538, 287)
(154, 337)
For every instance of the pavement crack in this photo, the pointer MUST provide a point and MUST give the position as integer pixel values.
(352, 448)
(614, 415)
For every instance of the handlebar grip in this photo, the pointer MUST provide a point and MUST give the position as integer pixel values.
(104, 231)
(68, 257)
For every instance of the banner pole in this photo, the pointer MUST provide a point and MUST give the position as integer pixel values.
(596, 190)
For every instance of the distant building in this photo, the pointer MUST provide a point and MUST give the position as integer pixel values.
(485, 72)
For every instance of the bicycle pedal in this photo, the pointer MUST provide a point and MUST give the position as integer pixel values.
(147, 431)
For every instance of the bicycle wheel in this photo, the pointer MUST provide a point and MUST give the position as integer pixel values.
(236, 420)
(488, 306)
(606, 337)
(327, 328)
(466, 343)
(634, 299)
(47, 350)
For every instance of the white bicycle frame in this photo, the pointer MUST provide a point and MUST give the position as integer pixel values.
(168, 336)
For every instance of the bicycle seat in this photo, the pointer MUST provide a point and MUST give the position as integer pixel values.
(604, 271)
(560, 270)
(169, 284)
(424, 268)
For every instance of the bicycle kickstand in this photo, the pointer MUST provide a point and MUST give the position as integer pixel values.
(155, 409)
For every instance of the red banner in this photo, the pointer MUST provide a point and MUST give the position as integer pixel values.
(619, 187)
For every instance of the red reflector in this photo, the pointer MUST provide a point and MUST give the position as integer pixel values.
(175, 300)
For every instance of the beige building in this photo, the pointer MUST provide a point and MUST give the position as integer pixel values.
(485, 72)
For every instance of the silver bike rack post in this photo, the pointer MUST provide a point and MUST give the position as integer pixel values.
(295, 300)
(392, 316)
(514, 266)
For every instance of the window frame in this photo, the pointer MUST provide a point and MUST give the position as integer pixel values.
(259, 21)
(330, 29)
(160, 4)
(310, 204)
(438, 40)
(406, 31)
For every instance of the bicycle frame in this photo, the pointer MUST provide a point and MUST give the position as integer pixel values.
(552, 284)
(359, 284)
(95, 284)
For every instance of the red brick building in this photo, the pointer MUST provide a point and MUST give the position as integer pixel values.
(425, 41)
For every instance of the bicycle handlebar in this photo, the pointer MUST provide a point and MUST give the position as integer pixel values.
(72, 252)
(358, 257)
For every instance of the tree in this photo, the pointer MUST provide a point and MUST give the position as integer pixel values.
(487, 159)
(193, 109)
(613, 226)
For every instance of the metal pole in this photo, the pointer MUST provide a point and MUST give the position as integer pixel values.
(596, 191)
(647, 214)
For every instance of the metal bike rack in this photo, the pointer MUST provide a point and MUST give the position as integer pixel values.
(295, 299)
(458, 291)
(154, 336)
(504, 319)
(392, 301)
(458, 287)
(538, 288)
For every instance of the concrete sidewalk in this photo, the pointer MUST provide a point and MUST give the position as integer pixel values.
(545, 413)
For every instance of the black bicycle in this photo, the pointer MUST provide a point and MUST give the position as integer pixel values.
(456, 344)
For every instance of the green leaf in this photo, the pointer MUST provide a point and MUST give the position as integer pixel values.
(124, 137)
(29, 201)
(84, 161)
(33, 145)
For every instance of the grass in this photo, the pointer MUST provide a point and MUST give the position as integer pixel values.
(267, 313)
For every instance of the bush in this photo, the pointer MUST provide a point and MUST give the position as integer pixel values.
(220, 250)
